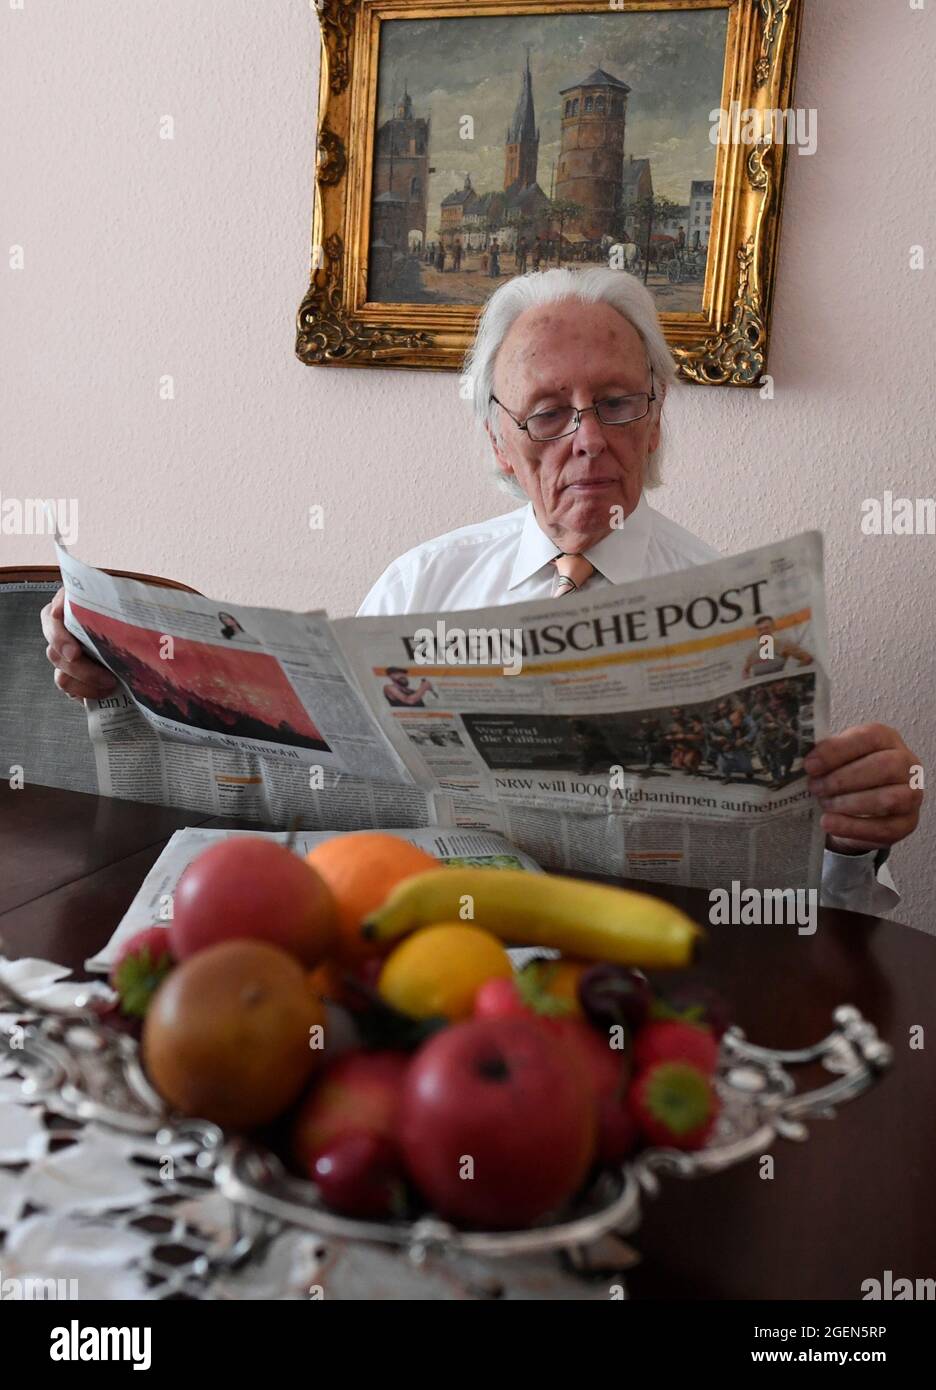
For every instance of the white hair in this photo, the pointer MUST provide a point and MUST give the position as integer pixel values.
(596, 285)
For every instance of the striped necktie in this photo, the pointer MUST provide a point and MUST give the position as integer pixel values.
(572, 573)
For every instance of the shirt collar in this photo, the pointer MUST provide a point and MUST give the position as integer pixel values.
(620, 556)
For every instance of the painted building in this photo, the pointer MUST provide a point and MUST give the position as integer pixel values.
(677, 222)
(701, 196)
(591, 154)
(636, 184)
(401, 169)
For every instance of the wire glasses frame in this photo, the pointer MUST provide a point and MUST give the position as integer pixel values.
(575, 415)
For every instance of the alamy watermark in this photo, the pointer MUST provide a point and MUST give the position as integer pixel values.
(752, 126)
(39, 516)
(890, 1289)
(898, 516)
(756, 907)
(472, 646)
(33, 1289)
(77, 1343)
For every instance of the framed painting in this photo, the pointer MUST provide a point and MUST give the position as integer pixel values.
(461, 142)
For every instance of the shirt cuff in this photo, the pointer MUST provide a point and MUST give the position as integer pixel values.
(858, 883)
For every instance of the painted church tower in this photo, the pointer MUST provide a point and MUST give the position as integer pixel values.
(521, 149)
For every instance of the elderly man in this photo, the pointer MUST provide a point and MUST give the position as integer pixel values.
(569, 374)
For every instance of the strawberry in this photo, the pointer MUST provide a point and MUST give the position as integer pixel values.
(526, 995)
(675, 1042)
(692, 1002)
(499, 998)
(674, 1104)
(141, 965)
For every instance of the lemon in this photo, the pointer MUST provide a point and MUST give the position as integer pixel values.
(437, 971)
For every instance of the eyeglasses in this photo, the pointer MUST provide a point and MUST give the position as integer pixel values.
(563, 420)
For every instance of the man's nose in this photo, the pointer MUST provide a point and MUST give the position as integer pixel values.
(589, 438)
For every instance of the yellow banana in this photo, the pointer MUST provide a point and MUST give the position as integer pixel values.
(590, 920)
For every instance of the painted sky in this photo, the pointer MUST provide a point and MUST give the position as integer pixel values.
(672, 62)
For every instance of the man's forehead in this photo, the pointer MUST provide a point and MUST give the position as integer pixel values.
(545, 344)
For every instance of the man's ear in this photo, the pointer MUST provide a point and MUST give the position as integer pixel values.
(654, 441)
(503, 462)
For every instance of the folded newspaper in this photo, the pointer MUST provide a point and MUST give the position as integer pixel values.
(655, 729)
(153, 902)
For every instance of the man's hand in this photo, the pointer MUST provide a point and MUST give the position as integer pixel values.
(78, 674)
(862, 779)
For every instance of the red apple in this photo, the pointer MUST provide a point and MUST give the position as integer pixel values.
(618, 1134)
(248, 887)
(495, 1124)
(607, 1071)
(359, 1091)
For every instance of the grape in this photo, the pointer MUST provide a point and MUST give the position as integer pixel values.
(615, 994)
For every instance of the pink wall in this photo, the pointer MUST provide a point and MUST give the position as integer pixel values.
(147, 257)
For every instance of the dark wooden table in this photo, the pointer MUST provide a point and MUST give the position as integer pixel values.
(854, 1200)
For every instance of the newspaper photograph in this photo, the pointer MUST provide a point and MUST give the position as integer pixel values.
(656, 728)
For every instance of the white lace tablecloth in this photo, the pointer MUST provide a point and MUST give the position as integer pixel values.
(114, 1214)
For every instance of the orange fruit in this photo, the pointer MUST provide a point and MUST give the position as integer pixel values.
(437, 971)
(228, 1035)
(360, 869)
(556, 979)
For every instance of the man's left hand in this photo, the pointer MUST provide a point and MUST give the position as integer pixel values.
(862, 779)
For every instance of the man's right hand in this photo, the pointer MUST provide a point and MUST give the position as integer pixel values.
(76, 673)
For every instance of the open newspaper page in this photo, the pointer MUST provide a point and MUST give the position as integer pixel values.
(656, 729)
(232, 710)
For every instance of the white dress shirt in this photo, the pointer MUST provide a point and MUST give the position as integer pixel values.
(507, 560)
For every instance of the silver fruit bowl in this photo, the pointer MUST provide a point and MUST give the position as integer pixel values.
(85, 1070)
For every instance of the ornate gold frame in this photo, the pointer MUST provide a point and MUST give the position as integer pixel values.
(725, 344)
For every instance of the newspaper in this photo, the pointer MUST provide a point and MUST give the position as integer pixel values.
(152, 904)
(231, 710)
(655, 729)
